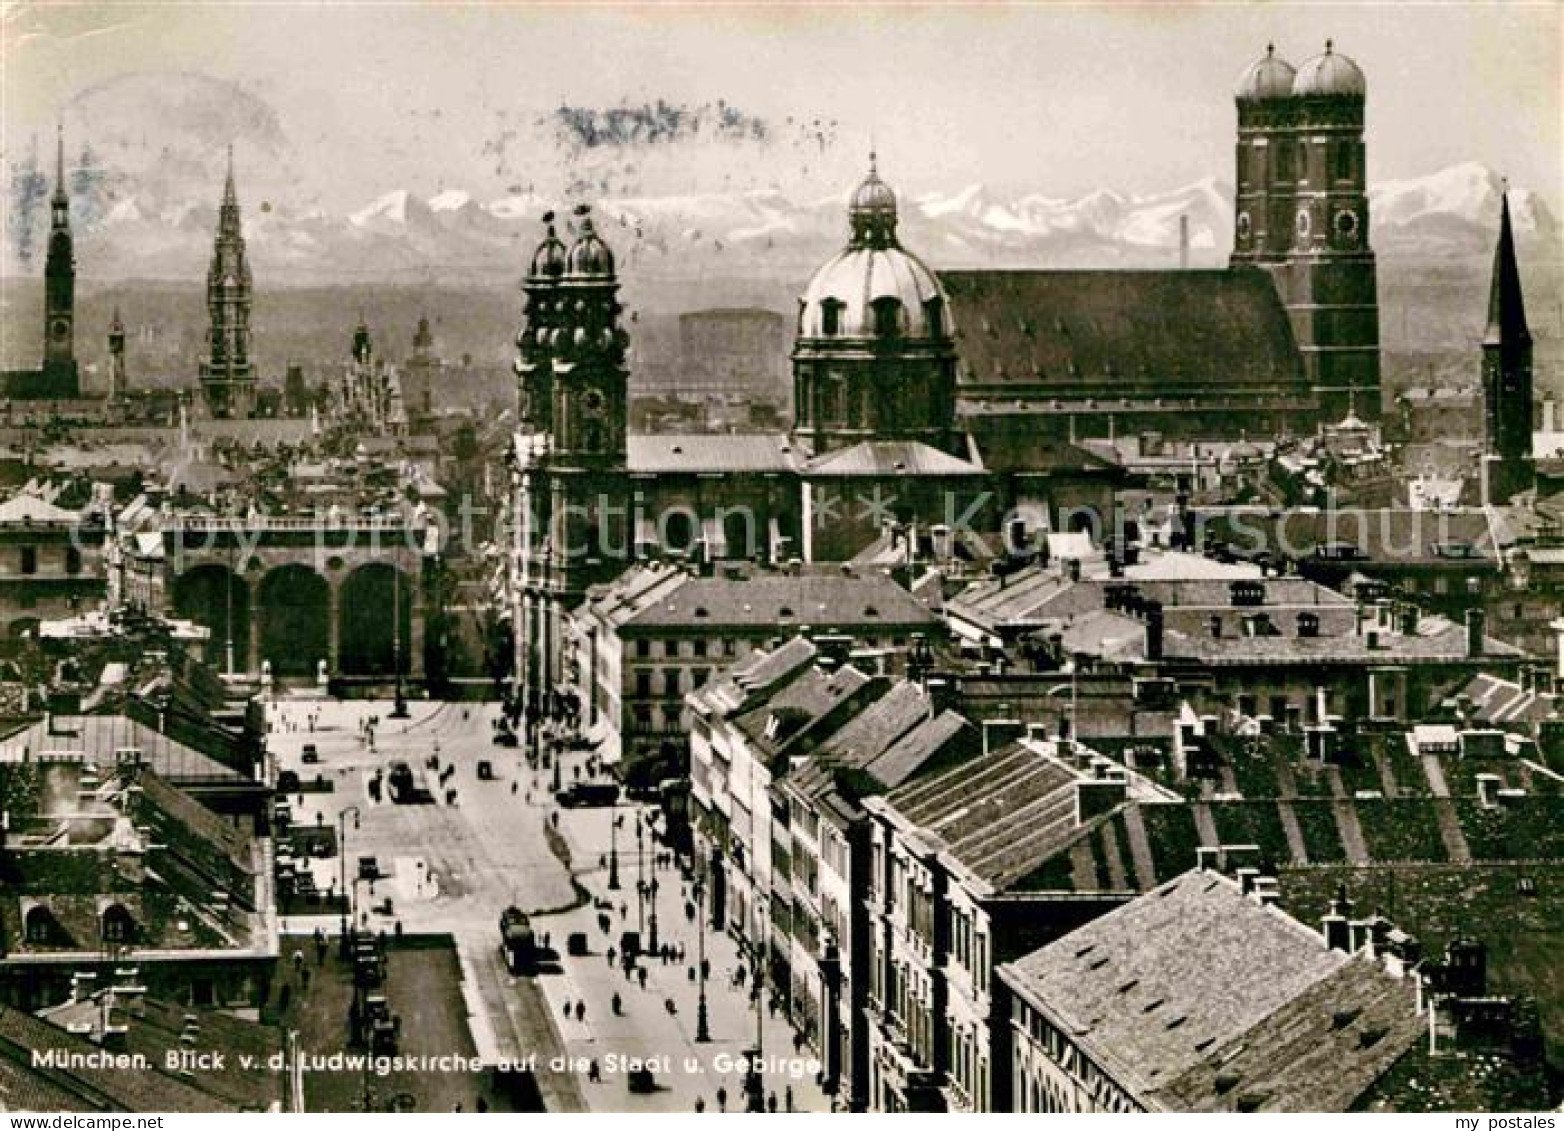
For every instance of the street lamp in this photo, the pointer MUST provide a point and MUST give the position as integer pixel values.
(640, 880)
(342, 871)
(651, 888)
(702, 1024)
(399, 706)
(613, 848)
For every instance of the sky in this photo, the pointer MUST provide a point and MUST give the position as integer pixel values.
(1051, 98)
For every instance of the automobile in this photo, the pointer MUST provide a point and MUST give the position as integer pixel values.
(576, 944)
(311, 756)
(368, 868)
(588, 794)
(485, 770)
(287, 781)
(506, 738)
(641, 1081)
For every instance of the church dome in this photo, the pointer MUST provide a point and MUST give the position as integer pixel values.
(875, 288)
(1330, 75)
(869, 292)
(548, 262)
(590, 255)
(1268, 77)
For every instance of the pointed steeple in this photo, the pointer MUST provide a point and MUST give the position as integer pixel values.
(60, 199)
(230, 195)
(1506, 305)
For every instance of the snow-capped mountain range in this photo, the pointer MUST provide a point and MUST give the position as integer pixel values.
(148, 227)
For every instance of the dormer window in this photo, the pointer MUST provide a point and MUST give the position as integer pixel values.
(831, 317)
(934, 315)
(1308, 624)
(887, 317)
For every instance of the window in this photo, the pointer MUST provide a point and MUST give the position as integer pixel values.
(38, 926)
(700, 646)
(1284, 163)
(643, 648)
(831, 317)
(934, 315)
(887, 317)
(643, 685)
(700, 676)
(1346, 162)
(117, 925)
(72, 560)
(671, 682)
(670, 647)
(29, 562)
(1308, 624)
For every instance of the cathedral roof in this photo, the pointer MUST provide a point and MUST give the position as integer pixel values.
(1269, 76)
(1328, 75)
(548, 261)
(886, 458)
(590, 256)
(1115, 334)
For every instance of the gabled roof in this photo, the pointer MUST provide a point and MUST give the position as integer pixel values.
(29, 508)
(1000, 814)
(1123, 333)
(883, 459)
(780, 601)
(99, 736)
(702, 453)
(1154, 988)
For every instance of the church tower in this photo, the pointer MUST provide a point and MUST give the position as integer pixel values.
(1507, 386)
(227, 377)
(875, 358)
(117, 386)
(59, 377)
(573, 526)
(1301, 213)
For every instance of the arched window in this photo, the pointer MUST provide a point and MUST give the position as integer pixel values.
(1308, 624)
(38, 926)
(887, 317)
(117, 924)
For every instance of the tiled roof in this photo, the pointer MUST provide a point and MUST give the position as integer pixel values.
(799, 705)
(100, 1089)
(99, 736)
(1503, 702)
(1140, 334)
(1001, 814)
(1385, 536)
(30, 508)
(782, 602)
(1150, 989)
(700, 453)
(1321, 1051)
(1445, 646)
(885, 458)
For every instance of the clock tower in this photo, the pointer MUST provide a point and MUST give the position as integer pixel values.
(60, 377)
(1301, 214)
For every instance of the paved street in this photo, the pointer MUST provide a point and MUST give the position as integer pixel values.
(453, 868)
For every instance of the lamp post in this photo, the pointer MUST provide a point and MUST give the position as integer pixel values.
(702, 1023)
(640, 880)
(342, 871)
(613, 847)
(399, 706)
(651, 889)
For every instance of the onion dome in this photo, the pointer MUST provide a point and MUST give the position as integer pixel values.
(1330, 76)
(590, 255)
(872, 211)
(548, 262)
(1266, 78)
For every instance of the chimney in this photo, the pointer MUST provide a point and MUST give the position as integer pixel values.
(1155, 628)
(1246, 879)
(1097, 795)
(1266, 891)
(1476, 630)
(1001, 732)
(1334, 925)
(1072, 569)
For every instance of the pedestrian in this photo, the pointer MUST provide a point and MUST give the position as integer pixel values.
(611, 955)
(567, 1010)
(700, 1104)
(798, 1043)
(670, 1006)
(594, 1073)
(789, 1097)
(581, 1011)
(722, 1099)
(641, 973)
(616, 1004)
(771, 1103)
(692, 973)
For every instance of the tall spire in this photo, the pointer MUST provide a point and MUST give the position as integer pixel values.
(230, 195)
(59, 164)
(1506, 305)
